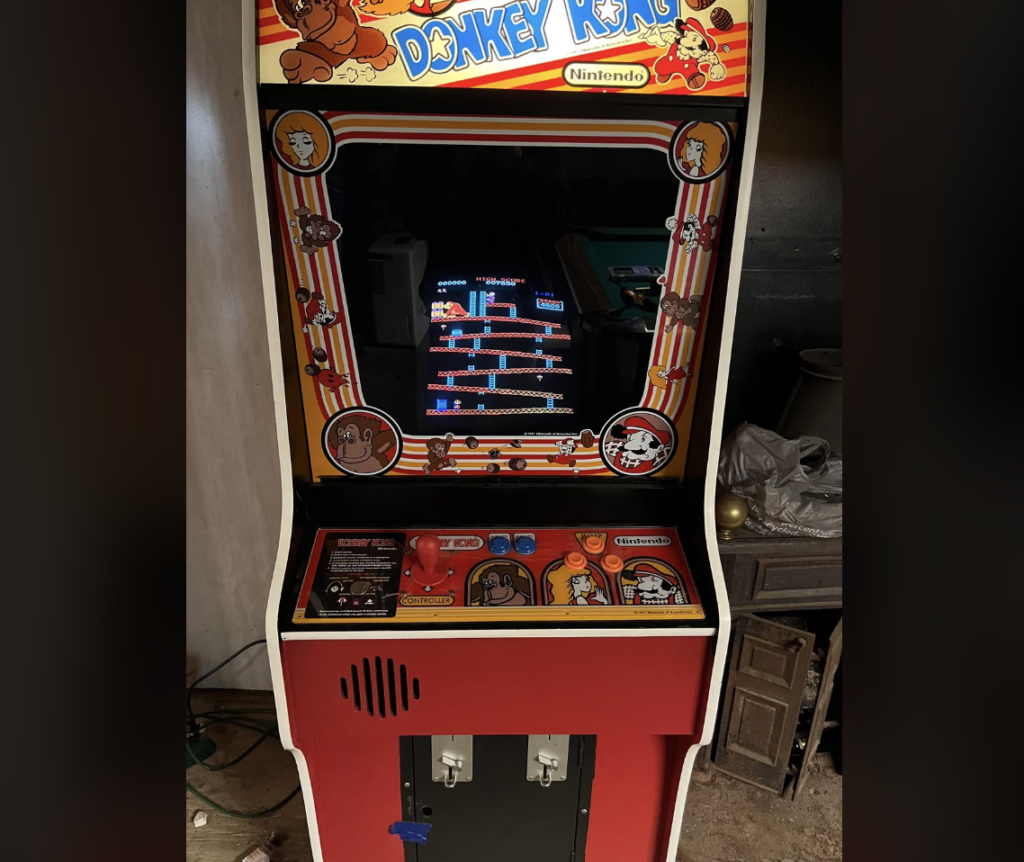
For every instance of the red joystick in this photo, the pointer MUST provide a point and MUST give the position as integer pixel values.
(428, 549)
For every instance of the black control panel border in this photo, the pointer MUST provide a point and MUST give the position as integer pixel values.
(468, 505)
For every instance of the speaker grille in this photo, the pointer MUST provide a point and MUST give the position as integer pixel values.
(373, 687)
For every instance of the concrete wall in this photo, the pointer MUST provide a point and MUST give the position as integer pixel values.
(791, 289)
(233, 490)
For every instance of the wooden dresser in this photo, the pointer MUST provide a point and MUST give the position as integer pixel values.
(767, 683)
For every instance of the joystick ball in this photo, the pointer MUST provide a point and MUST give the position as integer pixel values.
(428, 549)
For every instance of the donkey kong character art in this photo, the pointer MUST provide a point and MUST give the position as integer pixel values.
(678, 309)
(437, 454)
(317, 231)
(331, 35)
(360, 444)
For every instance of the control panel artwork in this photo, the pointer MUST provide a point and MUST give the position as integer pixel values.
(416, 577)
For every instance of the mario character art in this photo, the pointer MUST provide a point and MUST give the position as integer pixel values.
(316, 313)
(662, 378)
(565, 449)
(568, 446)
(315, 231)
(692, 50)
(331, 36)
(645, 585)
(327, 377)
(691, 233)
(637, 446)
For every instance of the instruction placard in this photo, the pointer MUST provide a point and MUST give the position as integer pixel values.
(357, 575)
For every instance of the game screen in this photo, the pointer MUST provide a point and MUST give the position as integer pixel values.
(499, 345)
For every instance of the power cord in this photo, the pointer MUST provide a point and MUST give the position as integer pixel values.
(209, 673)
(233, 717)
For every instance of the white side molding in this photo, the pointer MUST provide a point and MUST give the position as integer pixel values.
(756, 45)
(259, 189)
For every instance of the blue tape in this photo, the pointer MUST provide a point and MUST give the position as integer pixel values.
(408, 831)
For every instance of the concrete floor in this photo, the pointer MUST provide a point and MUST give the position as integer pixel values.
(729, 821)
(726, 820)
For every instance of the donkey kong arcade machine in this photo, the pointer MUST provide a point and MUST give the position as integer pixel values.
(505, 281)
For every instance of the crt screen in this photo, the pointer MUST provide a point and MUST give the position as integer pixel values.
(498, 347)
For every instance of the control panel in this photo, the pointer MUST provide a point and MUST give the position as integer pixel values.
(419, 577)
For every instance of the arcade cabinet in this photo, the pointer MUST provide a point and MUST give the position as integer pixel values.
(504, 241)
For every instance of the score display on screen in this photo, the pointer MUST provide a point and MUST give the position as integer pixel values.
(497, 348)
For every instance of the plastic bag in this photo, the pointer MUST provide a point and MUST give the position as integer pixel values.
(791, 487)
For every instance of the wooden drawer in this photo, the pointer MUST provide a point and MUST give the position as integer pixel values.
(758, 579)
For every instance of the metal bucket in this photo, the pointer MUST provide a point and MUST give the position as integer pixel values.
(816, 404)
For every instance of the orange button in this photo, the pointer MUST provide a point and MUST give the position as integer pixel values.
(593, 544)
(575, 560)
(612, 564)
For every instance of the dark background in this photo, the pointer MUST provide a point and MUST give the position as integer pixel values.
(791, 286)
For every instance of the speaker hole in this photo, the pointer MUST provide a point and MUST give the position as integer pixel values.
(379, 667)
(355, 689)
(392, 694)
(368, 683)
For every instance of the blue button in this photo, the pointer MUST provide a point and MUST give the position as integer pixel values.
(525, 544)
(499, 544)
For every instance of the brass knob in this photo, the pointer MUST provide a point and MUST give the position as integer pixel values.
(730, 513)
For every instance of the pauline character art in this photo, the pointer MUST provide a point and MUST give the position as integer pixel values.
(701, 151)
(664, 377)
(574, 587)
(303, 141)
